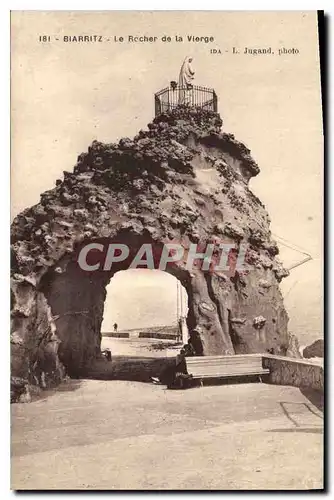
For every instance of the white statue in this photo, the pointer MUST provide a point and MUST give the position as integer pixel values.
(186, 77)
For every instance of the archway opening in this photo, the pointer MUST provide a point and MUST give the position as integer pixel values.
(77, 298)
(145, 313)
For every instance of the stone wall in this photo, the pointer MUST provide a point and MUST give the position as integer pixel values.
(294, 372)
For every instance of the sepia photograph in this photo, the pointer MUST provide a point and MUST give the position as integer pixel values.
(167, 194)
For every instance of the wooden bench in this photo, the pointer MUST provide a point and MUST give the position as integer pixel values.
(216, 367)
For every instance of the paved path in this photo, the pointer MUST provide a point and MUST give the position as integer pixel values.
(130, 435)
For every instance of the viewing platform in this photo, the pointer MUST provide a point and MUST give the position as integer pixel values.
(195, 96)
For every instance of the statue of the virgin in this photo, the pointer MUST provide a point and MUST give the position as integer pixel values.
(186, 78)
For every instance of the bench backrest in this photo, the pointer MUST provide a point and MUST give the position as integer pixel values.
(215, 366)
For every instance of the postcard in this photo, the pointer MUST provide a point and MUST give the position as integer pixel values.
(166, 251)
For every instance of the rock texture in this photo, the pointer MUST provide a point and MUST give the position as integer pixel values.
(293, 350)
(182, 180)
(315, 350)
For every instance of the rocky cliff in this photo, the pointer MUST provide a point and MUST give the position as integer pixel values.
(314, 350)
(182, 180)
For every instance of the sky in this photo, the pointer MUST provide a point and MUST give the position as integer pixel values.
(66, 94)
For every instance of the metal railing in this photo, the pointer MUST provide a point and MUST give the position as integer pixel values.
(196, 96)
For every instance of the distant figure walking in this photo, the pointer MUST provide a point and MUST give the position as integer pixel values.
(115, 327)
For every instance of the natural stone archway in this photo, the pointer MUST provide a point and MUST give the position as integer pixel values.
(76, 298)
(181, 181)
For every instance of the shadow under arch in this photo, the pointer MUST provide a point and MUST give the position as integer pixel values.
(77, 296)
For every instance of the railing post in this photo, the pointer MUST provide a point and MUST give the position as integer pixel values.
(157, 105)
(215, 102)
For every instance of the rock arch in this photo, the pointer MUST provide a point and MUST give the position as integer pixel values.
(181, 180)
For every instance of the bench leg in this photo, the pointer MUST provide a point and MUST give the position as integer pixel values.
(260, 379)
(201, 382)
